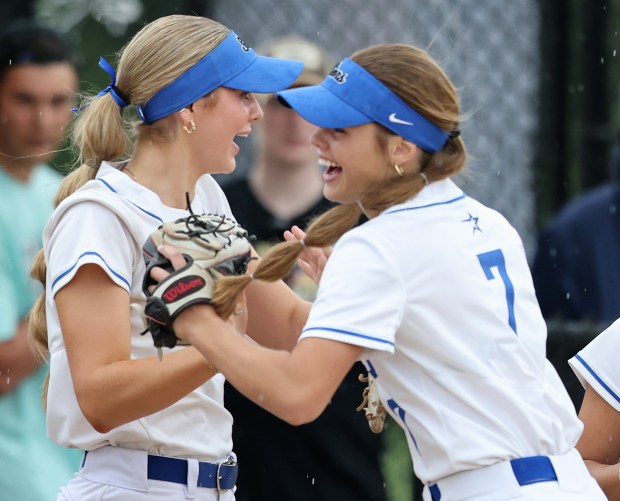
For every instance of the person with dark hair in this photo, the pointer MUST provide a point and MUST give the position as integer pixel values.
(38, 83)
(340, 458)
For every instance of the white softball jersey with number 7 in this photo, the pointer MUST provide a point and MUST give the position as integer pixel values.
(439, 292)
(106, 223)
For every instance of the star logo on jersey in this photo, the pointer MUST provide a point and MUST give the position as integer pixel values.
(474, 220)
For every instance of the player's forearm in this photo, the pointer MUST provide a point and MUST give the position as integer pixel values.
(17, 361)
(276, 315)
(607, 476)
(280, 383)
(127, 390)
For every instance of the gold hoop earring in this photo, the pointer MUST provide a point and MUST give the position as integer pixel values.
(191, 128)
(399, 170)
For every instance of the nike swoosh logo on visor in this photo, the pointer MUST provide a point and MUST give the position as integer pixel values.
(395, 120)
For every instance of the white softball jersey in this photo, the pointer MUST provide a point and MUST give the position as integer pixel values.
(439, 292)
(597, 365)
(105, 223)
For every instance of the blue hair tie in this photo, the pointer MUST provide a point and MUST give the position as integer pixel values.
(117, 95)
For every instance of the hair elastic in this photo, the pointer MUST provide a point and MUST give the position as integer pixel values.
(117, 95)
(424, 177)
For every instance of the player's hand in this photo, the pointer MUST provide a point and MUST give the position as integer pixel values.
(238, 320)
(174, 256)
(312, 260)
(158, 274)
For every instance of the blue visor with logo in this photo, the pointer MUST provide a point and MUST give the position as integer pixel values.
(351, 96)
(231, 64)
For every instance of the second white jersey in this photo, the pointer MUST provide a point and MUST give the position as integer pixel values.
(106, 222)
(439, 292)
(597, 365)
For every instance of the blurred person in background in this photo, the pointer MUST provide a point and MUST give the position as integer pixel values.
(575, 271)
(38, 83)
(337, 456)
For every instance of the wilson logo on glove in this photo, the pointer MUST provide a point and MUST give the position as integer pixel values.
(212, 245)
(183, 287)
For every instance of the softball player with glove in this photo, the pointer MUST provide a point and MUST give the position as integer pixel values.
(151, 428)
(433, 293)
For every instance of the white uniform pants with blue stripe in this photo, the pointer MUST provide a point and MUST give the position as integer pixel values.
(499, 482)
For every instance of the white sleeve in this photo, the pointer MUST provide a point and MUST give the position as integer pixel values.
(89, 233)
(361, 296)
(597, 365)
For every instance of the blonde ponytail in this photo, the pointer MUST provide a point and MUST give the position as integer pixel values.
(101, 132)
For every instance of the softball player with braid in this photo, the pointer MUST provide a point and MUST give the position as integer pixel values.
(433, 293)
(151, 429)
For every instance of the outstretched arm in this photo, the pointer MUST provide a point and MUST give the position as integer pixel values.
(276, 314)
(599, 444)
(296, 386)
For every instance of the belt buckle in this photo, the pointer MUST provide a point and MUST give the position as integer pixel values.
(230, 461)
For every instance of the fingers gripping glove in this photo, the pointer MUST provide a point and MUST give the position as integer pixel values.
(213, 246)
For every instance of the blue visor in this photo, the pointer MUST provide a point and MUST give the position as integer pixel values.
(351, 96)
(231, 64)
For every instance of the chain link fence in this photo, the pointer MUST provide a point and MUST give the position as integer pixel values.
(489, 49)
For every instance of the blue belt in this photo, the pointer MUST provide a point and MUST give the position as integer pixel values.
(222, 476)
(530, 470)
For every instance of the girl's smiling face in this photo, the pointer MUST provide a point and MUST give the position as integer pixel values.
(354, 159)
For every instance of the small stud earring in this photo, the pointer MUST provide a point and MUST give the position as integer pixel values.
(399, 170)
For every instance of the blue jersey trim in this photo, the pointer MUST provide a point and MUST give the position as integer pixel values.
(91, 253)
(339, 331)
(109, 186)
(591, 371)
(371, 369)
(426, 206)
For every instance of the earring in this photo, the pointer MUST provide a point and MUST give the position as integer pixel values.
(399, 170)
(191, 128)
